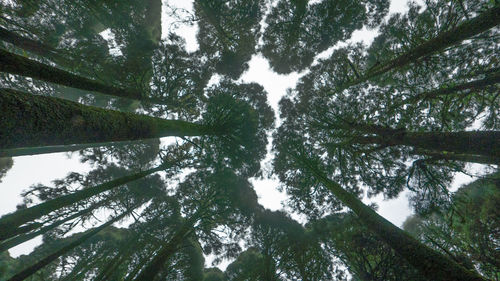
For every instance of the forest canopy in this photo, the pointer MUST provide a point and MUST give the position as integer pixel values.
(176, 142)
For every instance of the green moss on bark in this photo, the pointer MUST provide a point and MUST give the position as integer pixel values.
(30, 121)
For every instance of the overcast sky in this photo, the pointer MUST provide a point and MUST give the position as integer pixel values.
(28, 170)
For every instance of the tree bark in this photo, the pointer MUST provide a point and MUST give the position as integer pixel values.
(15, 64)
(482, 143)
(30, 121)
(467, 29)
(10, 222)
(50, 258)
(429, 262)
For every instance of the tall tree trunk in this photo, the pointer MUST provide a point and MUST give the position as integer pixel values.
(27, 151)
(27, 44)
(429, 262)
(15, 64)
(165, 253)
(490, 79)
(484, 143)
(467, 29)
(52, 257)
(479, 159)
(30, 120)
(23, 238)
(10, 222)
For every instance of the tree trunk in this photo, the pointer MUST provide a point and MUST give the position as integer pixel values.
(10, 222)
(483, 143)
(15, 64)
(490, 79)
(27, 44)
(52, 257)
(165, 253)
(467, 29)
(23, 238)
(479, 159)
(28, 151)
(30, 120)
(429, 262)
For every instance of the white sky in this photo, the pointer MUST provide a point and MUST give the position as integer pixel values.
(28, 170)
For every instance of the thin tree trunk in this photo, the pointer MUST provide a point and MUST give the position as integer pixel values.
(467, 29)
(165, 253)
(23, 238)
(30, 121)
(10, 222)
(111, 266)
(15, 64)
(28, 151)
(52, 257)
(490, 79)
(429, 262)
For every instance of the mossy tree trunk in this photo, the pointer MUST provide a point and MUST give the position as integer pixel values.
(19, 65)
(30, 270)
(31, 121)
(467, 29)
(428, 261)
(10, 222)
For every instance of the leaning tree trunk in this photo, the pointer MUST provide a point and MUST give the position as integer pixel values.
(28, 44)
(30, 121)
(165, 253)
(467, 29)
(52, 257)
(27, 151)
(15, 64)
(429, 262)
(489, 79)
(10, 222)
(23, 238)
(479, 159)
(481, 143)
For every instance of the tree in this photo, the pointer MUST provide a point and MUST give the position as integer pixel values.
(228, 33)
(15, 64)
(297, 30)
(28, 271)
(303, 172)
(446, 38)
(209, 200)
(362, 252)
(467, 228)
(11, 222)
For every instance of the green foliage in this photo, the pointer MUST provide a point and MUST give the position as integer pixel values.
(297, 31)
